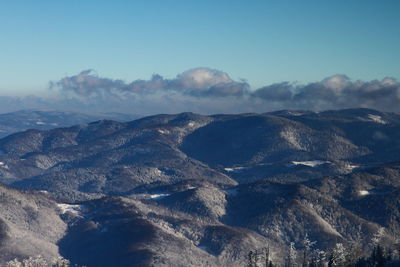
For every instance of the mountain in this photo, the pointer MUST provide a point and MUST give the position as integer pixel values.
(193, 190)
(43, 120)
(105, 157)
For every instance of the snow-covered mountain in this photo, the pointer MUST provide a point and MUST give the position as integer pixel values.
(44, 120)
(193, 190)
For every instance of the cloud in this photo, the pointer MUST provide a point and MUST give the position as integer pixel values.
(206, 91)
(279, 92)
(200, 78)
(196, 82)
(335, 92)
(340, 92)
(87, 83)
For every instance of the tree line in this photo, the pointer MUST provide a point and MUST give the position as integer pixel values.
(339, 256)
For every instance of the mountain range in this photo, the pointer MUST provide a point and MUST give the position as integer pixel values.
(48, 119)
(194, 190)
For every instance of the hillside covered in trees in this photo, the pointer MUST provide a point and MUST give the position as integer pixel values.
(304, 188)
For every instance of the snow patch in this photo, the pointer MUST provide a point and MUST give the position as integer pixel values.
(163, 131)
(372, 192)
(74, 209)
(311, 163)
(158, 196)
(157, 171)
(40, 123)
(3, 165)
(377, 119)
(363, 192)
(235, 169)
(350, 167)
(294, 113)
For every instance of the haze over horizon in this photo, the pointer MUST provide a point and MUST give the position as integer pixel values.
(206, 57)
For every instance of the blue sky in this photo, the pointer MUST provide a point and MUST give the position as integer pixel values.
(260, 41)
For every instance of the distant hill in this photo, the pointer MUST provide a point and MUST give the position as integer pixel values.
(43, 120)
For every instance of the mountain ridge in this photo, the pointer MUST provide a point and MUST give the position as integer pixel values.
(215, 186)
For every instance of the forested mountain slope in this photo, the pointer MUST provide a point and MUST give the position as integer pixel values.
(193, 190)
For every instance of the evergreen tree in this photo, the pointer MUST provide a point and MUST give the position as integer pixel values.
(250, 259)
(307, 244)
(338, 256)
(292, 256)
(378, 257)
(267, 261)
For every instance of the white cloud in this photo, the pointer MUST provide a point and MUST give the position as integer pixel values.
(205, 90)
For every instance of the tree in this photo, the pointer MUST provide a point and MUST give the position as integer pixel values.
(354, 254)
(338, 256)
(378, 257)
(307, 244)
(267, 261)
(376, 239)
(318, 258)
(39, 261)
(250, 259)
(292, 256)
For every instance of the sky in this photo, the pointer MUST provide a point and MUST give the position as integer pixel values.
(255, 43)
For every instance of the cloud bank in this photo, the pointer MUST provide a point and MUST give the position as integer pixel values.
(335, 92)
(199, 82)
(206, 91)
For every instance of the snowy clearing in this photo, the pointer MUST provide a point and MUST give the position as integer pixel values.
(350, 167)
(158, 171)
(158, 196)
(294, 113)
(235, 169)
(163, 131)
(74, 209)
(3, 165)
(310, 163)
(372, 192)
(377, 119)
